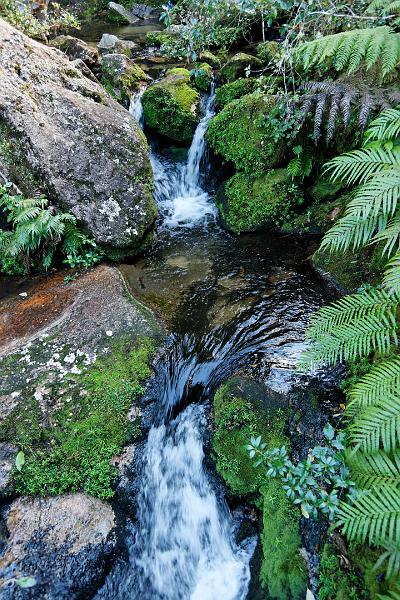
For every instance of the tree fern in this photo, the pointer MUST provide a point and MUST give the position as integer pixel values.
(382, 380)
(348, 50)
(385, 127)
(333, 103)
(377, 426)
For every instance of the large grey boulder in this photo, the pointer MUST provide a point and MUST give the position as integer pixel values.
(64, 543)
(68, 137)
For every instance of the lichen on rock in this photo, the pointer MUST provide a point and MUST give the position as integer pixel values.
(82, 147)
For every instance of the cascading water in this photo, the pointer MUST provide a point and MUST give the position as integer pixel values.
(183, 545)
(180, 197)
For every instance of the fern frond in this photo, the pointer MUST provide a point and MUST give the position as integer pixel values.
(378, 425)
(382, 380)
(389, 596)
(377, 469)
(392, 556)
(385, 127)
(346, 51)
(390, 235)
(358, 166)
(391, 277)
(373, 516)
(351, 327)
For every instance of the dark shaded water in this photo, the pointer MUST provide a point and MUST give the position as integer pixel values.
(231, 304)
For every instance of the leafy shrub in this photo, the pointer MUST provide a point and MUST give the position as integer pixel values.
(316, 483)
(21, 17)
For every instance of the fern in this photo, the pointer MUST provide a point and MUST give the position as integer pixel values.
(390, 596)
(352, 327)
(334, 102)
(391, 278)
(385, 127)
(373, 516)
(381, 381)
(377, 426)
(377, 469)
(348, 50)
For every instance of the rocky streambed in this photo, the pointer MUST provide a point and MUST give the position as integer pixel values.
(128, 392)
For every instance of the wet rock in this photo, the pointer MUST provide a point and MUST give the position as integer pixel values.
(65, 543)
(135, 12)
(7, 460)
(85, 151)
(124, 75)
(75, 48)
(110, 44)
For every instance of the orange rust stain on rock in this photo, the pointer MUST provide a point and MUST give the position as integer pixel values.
(20, 317)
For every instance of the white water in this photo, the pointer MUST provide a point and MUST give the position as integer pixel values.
(185, 548)
(184, 545)
(181, 200)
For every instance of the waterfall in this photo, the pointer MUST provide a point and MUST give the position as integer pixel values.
(184, 546)
(136, 108)
(181, 199)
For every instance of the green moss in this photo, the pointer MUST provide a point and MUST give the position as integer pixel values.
(243, 133)
(167, 106)
(237, 66)
(237, 419)
(234, 90)
(211, 59)
(324, 190)
(336, 583)
(268, 52)
(249, 204)
(158, 38)
(73, 451)
(283, 571)
(364, 558)
(350, 270)
(202, 77)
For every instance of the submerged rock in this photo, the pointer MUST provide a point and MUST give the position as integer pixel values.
(64, 543)
(170, 106)
(79, 146)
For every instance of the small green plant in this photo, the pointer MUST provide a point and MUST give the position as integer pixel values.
(51, 24)
(36, 231)
(316, 483)
(300, 166)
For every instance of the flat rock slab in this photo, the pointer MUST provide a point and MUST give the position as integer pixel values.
(83, 150)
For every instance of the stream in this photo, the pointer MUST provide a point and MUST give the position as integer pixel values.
(231, 304)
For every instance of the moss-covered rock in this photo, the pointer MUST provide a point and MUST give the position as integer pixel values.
(202, 76)
(336, 583)
(241, 133)
(372, 579)
(210, 58)
(234, 90)
(238, 65)
(323, 190)
(283, 571)
(241, 412)
(170, 106)
(268, 52)
(248, 204)
(348, 270)
(157, 39)
(123, 75)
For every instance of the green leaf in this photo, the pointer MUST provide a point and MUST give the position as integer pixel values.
(19, 460)
(26, 582)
